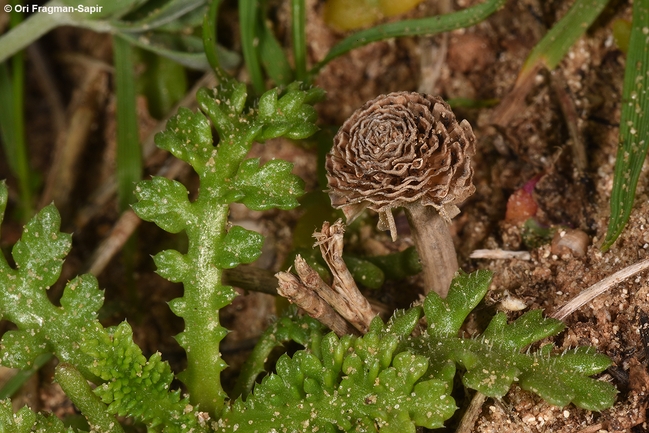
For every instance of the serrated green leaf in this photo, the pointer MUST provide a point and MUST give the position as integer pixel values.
(239, 246)
(271, 185)
(82, 300)
(290, 327)
(22, 422)
(74, 335)
(445, 316)
(164, 202)
(550, 388)
(585, 360)
(237, 100)
(528, 328)
(292, 114)
(172, 265)
(314, 94)
(290, 103)
(403, 322)
(42, 247)
(213, 103)
(142, 390)
(591, 394)
(490, 374)
(268, 104)
(18, 349)
(493, 361)
(274, 130)
(301, 131)
(188, 136)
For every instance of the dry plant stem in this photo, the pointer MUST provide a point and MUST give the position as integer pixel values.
(71, 142)
(330, 241)
(434, 244)
(592, 429)
(498, 254)
(251, 278)
(472, 412)
(354, 310)
(43, 71)
(567, 104)
(292, 289)
(514, 102)
(121, 231)
(433, 57)
(598, 288)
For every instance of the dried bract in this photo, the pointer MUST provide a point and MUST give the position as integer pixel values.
(406, 150)
(397, 149)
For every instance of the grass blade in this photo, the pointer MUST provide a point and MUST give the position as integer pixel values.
(193, 60)
(129, 159)
(30, 30)
(273, 58)
(298, 31)
(556, 43)
(12, 124)
(634, 124)
(548, 53)
(418, 27)
(169, 12)
(248, 20)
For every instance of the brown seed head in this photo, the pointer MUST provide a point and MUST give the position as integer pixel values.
(397, 149)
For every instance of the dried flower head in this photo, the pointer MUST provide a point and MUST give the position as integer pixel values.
(398, 149)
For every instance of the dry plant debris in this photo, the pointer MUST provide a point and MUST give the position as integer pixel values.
(311, 293)
(406, 149)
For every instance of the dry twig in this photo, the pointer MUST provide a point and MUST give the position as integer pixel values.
(296, 292)
(597, 289)
(348, 301)
(312, 293)
(498, 254)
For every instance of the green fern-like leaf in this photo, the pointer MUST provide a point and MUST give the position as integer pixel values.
(364, 383)
(132, 384)
(27, 421)
(303, 330)
(269, 186)
(130, 377)
(493, 361)
(226, 177)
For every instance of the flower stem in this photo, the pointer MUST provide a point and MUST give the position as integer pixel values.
(434, 244)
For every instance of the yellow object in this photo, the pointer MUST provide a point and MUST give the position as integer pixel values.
(355, 14)
(390, 8)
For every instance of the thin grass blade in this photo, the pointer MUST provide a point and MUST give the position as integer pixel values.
(129, 159)
(417, 27)
(248, 20)
(169, 12)
(634, 124)
(12, 123)
(298, 30)
(558, 40)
